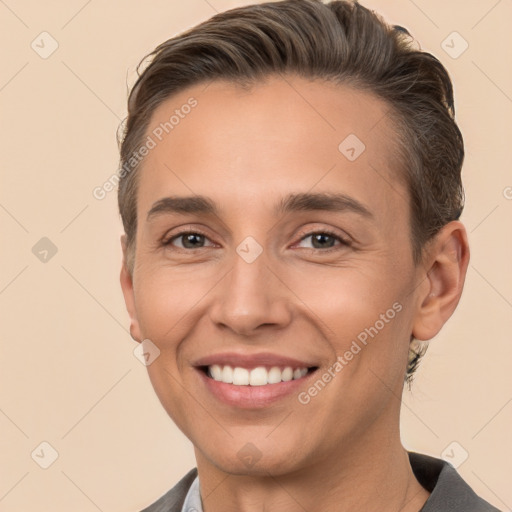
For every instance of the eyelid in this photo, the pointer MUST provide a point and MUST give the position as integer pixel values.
(343, 238)
(168, 237)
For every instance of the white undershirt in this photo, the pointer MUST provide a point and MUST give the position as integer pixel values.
(192, 501)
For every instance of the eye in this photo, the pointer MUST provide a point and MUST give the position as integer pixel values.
(188, 240)
(325, 240)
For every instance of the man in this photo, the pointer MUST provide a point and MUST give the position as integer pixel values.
(290, 193)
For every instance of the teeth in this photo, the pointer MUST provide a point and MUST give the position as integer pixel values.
(227, 374)
(259, 376)
(274, 375)
(240, 377)
(216, 371)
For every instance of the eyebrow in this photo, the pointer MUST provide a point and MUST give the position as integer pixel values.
(291, 203)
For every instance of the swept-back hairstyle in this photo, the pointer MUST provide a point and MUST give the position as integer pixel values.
(341, 42)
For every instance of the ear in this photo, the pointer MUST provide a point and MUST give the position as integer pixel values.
(129, 297)
(446, 263)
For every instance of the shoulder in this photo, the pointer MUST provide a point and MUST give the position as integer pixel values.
(172, 501)
(449, 492)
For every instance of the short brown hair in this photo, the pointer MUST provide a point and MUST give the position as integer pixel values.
(342, 42)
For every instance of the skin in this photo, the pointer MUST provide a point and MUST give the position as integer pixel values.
(245, 150)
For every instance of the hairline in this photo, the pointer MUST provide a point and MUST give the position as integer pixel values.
(398, 157)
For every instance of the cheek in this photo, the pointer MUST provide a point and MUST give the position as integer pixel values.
(166, 301)
(345, 300)
(362, 315)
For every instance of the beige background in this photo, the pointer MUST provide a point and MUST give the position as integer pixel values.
(68, 373)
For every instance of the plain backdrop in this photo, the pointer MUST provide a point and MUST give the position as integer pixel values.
(68, 375)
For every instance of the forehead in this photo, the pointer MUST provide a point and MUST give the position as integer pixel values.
(251, 146)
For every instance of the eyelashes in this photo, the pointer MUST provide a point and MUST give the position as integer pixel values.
(343, 242)
(190, 236)
(181, 235)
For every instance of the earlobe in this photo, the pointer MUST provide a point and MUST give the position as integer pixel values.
(126, 280)
(447, 262)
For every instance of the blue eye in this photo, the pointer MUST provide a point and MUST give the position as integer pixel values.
(325, 240)
(190, 240)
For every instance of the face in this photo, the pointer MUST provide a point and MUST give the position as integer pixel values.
(272, 245)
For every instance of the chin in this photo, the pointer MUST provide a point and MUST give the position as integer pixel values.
(265, 466)
(259, 458)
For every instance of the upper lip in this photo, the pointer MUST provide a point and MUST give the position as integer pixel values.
(252, 360)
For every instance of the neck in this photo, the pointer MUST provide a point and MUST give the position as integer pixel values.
(372, 476)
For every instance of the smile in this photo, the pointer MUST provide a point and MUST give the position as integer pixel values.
(253, 381)
(259, 376)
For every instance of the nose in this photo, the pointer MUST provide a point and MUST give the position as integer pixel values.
(251, 298)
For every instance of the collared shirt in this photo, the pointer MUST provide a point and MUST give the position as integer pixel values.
(448, 491)
(193, 501)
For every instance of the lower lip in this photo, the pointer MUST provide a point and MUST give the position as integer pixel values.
(252, 397)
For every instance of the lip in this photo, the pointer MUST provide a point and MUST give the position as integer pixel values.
(252, 397)
(250, 361)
